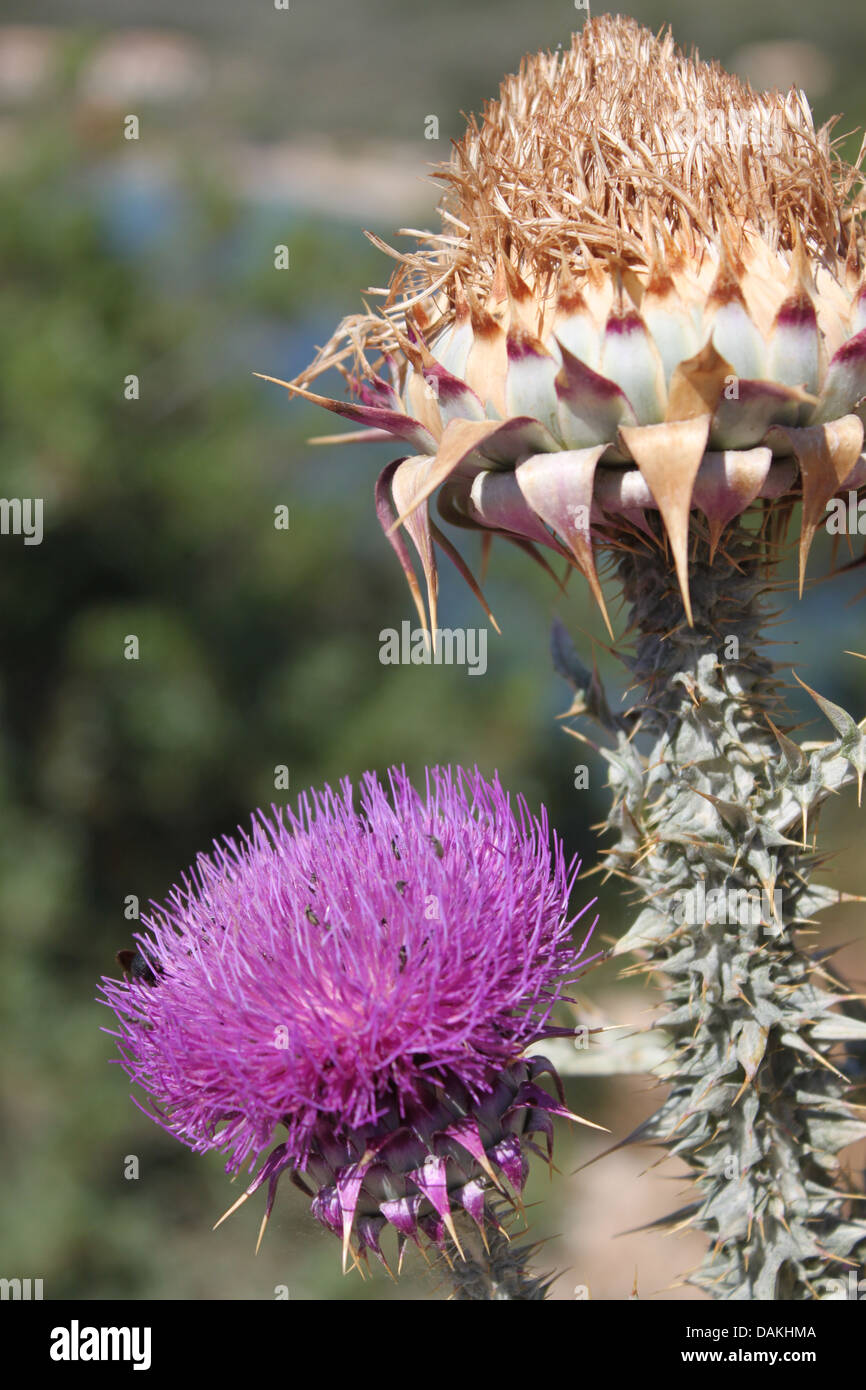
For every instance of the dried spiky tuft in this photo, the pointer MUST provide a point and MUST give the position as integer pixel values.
(622, 147)
(645, 299)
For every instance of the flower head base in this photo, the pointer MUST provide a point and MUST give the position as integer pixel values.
(367, 977)
(646, 297)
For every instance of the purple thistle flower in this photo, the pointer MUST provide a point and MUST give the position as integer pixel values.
(367, 977)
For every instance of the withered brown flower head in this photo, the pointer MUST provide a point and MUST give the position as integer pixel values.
(646, 296)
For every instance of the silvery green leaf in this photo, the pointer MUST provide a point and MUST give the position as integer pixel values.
(839, 1028)
(751, 1046)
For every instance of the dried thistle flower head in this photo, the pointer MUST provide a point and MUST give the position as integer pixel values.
(646, 297)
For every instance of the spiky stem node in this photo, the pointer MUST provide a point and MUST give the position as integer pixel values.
(492, 1269)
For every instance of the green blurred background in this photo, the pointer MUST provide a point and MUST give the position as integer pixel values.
(259, 647)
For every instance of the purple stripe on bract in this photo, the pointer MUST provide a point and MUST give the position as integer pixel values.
(797, 312)
(539, 1121)
(466, 1135)
(349, 1183)
(508, 1155)
(376, 392)
(432, 1181)
(521, 348)
(728, 483)
(629, 358)
(795, 344)
(529, 382)
(326, 1208)
(742, 421)
(394, 422)
(455, 399)
(369, 1230)
(845, 382)
(517, 439)
(497, 502)
(591, 407)
(535, 1096)
(402, 1214)
(472, 1196)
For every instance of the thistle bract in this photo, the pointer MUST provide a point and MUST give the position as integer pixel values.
(366, 976)
(646, 296)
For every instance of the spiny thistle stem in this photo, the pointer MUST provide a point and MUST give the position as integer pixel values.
(712, 820)
(492, 1269)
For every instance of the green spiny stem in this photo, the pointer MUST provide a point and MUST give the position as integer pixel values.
(494, 1272)
(711, 819)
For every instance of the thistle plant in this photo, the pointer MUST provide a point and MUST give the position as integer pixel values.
(368, 978)
(641, 332)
